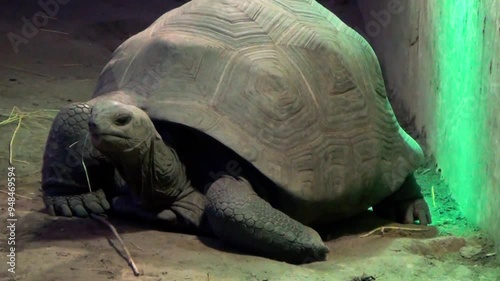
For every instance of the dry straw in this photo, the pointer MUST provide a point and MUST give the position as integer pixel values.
(18, 116)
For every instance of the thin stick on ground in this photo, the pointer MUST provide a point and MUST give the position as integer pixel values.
(11, 144)
(54, 31)
(17, 195)
(120, 240)
(24, 70)
(34, 110)
(137, 247)
(382, 230)
(90, 269)
(16, 160)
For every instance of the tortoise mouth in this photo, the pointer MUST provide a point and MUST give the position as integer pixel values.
(98, 138)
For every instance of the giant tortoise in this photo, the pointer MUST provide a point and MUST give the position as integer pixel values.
(251, 120)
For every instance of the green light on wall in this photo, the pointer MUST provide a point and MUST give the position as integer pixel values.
(460, 113)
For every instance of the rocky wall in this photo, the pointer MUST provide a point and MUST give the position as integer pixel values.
(441, 61)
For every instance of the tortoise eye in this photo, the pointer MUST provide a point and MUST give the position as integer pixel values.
(123, 119)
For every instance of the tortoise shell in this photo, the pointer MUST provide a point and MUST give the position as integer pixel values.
(285, 84)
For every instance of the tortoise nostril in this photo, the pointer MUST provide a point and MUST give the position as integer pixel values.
(92, 124)
(123, 119)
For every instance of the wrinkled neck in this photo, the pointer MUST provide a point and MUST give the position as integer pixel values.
(157, 178)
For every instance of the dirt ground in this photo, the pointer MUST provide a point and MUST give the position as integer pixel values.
(54, 68)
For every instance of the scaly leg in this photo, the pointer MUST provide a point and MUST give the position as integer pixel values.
(241, 218)
(64, 181)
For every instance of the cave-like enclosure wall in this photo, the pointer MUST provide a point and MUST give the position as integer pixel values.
(441, 61)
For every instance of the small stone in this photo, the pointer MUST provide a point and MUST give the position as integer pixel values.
(470, 251)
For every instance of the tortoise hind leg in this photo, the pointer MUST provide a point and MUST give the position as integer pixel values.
(405, 205)
(241, 218)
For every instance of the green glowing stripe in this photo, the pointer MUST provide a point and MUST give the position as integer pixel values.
(460, 114)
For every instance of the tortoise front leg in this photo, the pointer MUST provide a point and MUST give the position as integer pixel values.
(241, 218)
(64, 180)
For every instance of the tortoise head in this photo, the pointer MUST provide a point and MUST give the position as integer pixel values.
(152, 170)
(117, 129)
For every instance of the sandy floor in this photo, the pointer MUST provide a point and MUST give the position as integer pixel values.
(53, 69)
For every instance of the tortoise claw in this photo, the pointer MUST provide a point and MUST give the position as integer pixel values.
(80, 211)
(77, 205)
(417, 210)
